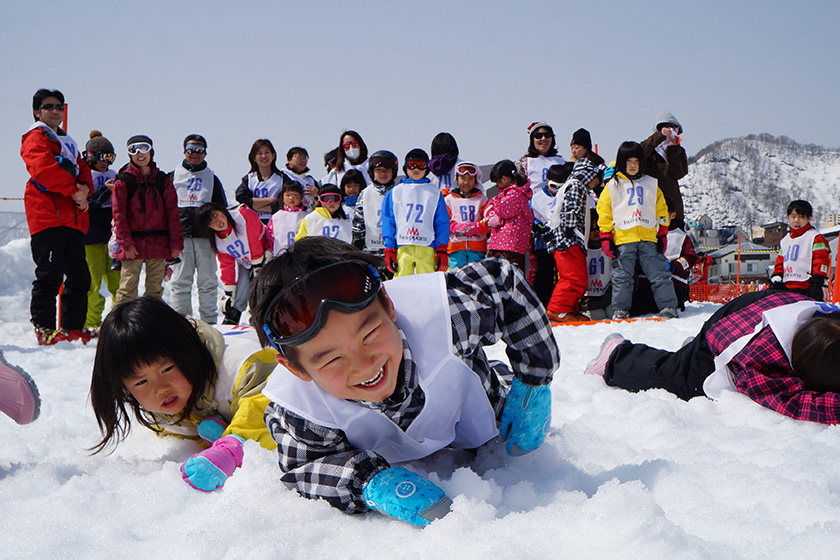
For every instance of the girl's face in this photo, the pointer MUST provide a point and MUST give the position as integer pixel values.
(218, 221)
(141, 160)
(160, 387)
(350, 146)
(578, 152)
(330, 201)
(264, 158)
(292, 199)
(352, 189)
(465, 182)
(633, 166)
(542, 140)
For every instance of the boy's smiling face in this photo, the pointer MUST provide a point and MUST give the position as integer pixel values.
(355, 355)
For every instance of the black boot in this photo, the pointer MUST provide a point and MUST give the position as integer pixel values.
(232, 315)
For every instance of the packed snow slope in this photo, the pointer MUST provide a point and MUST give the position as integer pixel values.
(620, 475)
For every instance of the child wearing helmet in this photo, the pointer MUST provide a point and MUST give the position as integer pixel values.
(415, 221)
(367, 218)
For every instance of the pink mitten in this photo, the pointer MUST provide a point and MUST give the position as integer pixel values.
(210, 469)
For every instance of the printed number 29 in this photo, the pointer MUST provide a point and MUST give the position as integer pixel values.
(636, 196)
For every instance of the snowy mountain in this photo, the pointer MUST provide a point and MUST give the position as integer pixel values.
(12, 226)
(750, 181)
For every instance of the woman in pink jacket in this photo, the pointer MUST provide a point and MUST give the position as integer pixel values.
(509, 215)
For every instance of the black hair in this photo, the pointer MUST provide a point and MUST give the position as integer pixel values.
(43, 93)
(444, 143)
(203, 217)
(138, 333)
(559, 173)
(801, 207)
(293, 151)
(669, 202)
(252, 156)
(198, 138)
(815, 353)
(341, 156)
(626, 151)
(304, 256)
(596, 159)
(291, 186)
(506, 168)
(532, 151)
(329, 188)
(352, 176)
(330, 158)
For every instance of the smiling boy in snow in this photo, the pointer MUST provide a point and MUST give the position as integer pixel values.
(376, 379)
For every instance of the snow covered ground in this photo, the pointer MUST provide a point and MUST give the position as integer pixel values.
(620, 475)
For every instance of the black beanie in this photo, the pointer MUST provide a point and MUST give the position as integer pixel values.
(581, 137)
(137, 138)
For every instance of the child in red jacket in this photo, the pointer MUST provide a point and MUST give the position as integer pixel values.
(238, 238)
(804, 257)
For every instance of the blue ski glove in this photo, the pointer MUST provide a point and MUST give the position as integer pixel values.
(526, 417)
(210, 429)
(210, 469)
(399, 493)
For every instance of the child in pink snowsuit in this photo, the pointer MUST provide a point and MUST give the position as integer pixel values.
(509, 214)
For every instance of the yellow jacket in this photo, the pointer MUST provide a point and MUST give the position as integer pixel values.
(635, 233)
(236, 399)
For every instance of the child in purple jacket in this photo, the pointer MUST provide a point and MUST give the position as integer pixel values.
(779, 349)
(509, 215)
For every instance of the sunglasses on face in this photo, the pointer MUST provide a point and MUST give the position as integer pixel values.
(541, 135)
(52, 107)
(300, 311)
(140, 148)
(331, 197)
(467, 170)
(416, 164)
(351, 144)
(195, 149)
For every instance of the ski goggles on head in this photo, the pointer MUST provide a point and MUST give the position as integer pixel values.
(299, 312)
(381, 162)
(140, 148)
(467, 169)
(329, 197)
(416, 164)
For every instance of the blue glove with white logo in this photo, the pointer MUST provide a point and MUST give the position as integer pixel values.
(399, 493)
(526, 417)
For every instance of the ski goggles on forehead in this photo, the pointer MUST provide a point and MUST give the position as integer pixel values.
(140, 148)
(466, 169)
(299, 312)
(381, 162)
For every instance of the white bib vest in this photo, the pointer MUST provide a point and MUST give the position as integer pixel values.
(337, 228)
(456, 412)
(69, 149)
(236, 244)
(194, 188)
(304, 180)
(784, 321)
(798, 256)
(269, 188)
(633, 202)
(676, 238)
(538, 169)
(371, 201)
(599, 269)
(101, 177)
(414, 212)
(285, 225)
(466, 210)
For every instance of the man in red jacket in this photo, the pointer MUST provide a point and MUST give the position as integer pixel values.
(56, 211)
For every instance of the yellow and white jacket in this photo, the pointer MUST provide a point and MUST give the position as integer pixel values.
(236, 399)
(629, 202)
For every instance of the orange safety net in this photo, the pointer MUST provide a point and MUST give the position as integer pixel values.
(723, 293)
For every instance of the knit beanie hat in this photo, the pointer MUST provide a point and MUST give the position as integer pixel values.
(581, 137)
(99, 143)
(538, 124)
(137, 138)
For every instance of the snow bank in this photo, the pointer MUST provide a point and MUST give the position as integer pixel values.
(620, 475)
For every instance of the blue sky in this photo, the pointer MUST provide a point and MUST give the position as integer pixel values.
(400, 72)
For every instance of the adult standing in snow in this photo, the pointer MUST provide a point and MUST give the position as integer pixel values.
(665, 159)
(352, 153)
(56, 212)
(260, 188)
(542, 154)
(196, 184)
